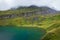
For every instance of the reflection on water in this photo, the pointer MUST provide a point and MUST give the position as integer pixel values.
(21, 33)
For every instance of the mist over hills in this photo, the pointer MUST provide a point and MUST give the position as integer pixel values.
(42, 9)
(28, 11)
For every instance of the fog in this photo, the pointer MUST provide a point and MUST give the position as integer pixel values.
(7, 4)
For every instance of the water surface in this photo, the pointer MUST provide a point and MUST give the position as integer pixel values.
(21, 33)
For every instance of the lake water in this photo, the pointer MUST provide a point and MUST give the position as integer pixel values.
(21, 33)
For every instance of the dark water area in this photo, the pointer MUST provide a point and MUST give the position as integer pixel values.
(21, 33)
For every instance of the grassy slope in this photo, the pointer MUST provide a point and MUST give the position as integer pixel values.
(53, 30)
(42, 21)
(45, 22)
(53, 34)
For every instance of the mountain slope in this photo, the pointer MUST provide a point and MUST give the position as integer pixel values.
(27, 12)
(32, 16)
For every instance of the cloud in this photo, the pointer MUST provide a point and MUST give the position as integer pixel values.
(6, 4)
(55, 4)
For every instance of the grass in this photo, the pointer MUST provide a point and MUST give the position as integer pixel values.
(43, 22)
(53, 31)
(49, 23)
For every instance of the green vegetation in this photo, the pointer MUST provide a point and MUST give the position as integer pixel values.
(49, 22)
(53, 31)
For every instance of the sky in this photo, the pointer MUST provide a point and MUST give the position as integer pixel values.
(7, 4)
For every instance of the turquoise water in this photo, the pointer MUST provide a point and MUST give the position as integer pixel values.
(21, 33)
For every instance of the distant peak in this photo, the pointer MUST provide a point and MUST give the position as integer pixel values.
(33, 6)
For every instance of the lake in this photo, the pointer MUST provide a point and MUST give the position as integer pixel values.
(21, 33)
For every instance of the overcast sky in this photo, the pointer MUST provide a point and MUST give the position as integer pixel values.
(6, 4)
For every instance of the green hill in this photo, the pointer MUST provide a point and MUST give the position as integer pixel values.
(41, 17)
